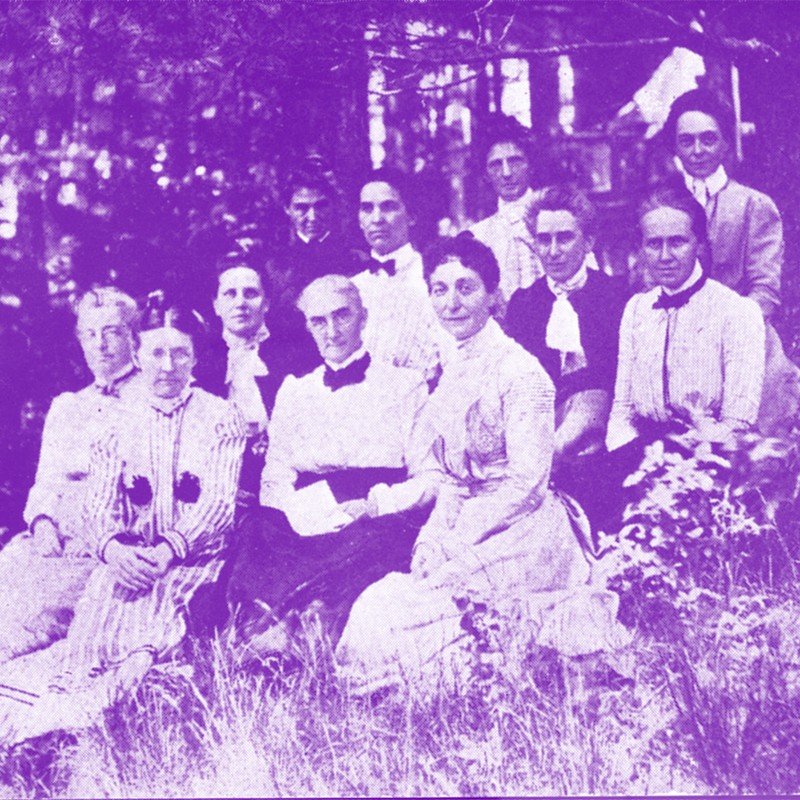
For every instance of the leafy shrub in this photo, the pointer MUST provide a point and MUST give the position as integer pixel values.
(705, 565)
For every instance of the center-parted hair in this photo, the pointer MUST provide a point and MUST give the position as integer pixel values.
(501, 128)
(671, 195)
(111, 296)
(160, 312)
(338, 284)
(566, 198)
(706, 102)
(398, 180)
(466, 249)
(238, 260)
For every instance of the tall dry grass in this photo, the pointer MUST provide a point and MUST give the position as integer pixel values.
(706, 570)
(548, 726)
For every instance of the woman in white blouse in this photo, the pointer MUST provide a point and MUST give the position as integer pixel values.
(44, 570)
(691, 350)
(496, 533)
(162, 492)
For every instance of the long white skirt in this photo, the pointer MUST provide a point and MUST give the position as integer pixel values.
(38, 595)
(408, 627)
(114, 639)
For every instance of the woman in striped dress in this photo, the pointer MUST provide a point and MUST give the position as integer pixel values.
(163, 490)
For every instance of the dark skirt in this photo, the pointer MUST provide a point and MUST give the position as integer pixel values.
(286, 572)
(272, 567)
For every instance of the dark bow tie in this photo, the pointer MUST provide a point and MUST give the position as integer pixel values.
(353, 373)
(112, 389)
(388, 267)
(108, 389)
(679, 299)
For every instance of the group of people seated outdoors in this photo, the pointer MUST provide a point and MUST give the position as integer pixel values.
(378, 439)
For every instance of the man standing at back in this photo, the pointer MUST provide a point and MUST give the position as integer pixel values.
(505, 155)
(314, 246)
(401, 327)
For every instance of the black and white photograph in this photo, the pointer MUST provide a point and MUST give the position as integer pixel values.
(399, 398)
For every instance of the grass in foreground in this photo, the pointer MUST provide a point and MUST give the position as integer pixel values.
(556, 728)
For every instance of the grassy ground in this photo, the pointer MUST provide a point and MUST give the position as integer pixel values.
(554, 727)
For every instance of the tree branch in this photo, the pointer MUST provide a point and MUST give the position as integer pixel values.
(448, 57)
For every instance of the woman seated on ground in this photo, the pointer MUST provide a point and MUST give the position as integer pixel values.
(44, 570)
(163, 486)
(745, 237)
(691, 350)
(338, 437)
(496, 533)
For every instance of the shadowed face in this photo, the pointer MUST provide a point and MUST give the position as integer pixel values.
(507, 168)
(460, 299)
(310, 212)
(240, 302)
(335, 319)
(670, 246)
(383, 217)
(105, 340)
(560, 243)
(166, 358)
(699, 143)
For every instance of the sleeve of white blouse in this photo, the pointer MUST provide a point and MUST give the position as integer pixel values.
(528, 403)
(200, 530)
(422, 467)
(104, 512)
(279, 474)
(621, 429)
(744, 353)
(53, 463)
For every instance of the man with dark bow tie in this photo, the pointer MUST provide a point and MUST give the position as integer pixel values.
(335, 435)
(401, 328)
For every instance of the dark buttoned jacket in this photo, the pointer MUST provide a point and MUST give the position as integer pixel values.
(599, 305)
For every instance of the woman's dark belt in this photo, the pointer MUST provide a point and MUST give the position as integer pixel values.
(354, 482)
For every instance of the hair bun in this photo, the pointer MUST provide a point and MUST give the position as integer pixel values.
(154, 301)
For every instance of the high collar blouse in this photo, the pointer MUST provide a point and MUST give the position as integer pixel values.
(73, 420)
(506, 233)
(362, 425)
(491, 424)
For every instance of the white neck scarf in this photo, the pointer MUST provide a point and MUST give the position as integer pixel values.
(244, 366)
(563, 327)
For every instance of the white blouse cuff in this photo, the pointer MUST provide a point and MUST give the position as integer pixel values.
(177, 542)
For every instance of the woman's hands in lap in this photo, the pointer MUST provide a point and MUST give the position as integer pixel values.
(136, 567)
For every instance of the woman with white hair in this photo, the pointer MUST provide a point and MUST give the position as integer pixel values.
(159, 510)
(45, 568)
